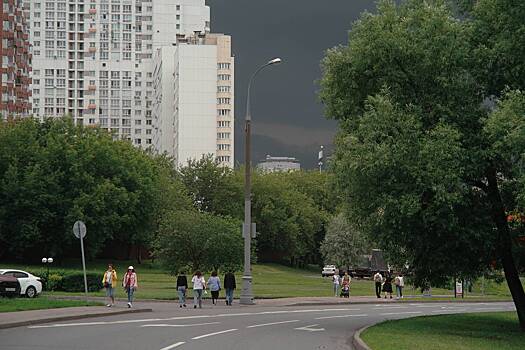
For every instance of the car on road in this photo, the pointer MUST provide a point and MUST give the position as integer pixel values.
(328, 270)
(30, 285)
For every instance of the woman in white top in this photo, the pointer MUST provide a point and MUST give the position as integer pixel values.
(199, 285)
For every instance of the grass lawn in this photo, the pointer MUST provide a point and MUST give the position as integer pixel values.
(269, 281)
(461, 332)
(23, 304)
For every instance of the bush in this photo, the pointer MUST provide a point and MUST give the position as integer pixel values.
(54, 282)
(74, 282)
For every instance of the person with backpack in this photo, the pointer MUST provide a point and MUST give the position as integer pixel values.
(229, 286)
(182, 287)
(199, 286)
(214, 284)
(109, 281)
(130, 284)
(400, 284)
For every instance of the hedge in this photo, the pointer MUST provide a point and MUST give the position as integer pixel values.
(70, 281)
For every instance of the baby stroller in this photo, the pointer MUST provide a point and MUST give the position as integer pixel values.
(345, 291)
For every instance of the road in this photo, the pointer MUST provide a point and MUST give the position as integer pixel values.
(221, 327)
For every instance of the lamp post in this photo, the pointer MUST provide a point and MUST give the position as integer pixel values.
(47, 262)
(246, 292)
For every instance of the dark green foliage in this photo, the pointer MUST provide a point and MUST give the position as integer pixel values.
(74, 282)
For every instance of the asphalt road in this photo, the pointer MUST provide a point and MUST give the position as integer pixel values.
(221, 327)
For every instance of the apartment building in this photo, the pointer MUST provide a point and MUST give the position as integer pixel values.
(16, 60)
(93, 59)
(194, 98)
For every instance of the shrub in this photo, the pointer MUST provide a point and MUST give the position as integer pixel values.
(74, 282)
(54, 282)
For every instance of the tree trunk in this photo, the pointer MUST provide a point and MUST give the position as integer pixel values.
(504, 247)
(139, 255)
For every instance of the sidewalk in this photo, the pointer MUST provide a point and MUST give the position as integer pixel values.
(26, 318)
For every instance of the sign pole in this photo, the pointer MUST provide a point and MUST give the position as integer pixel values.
(79, 230)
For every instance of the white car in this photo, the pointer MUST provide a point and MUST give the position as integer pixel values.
(30, 286)
(328, 270)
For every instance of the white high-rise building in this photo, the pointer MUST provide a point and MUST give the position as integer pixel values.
(194, 106)
(93, 59)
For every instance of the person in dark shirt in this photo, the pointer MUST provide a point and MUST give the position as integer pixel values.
(182, 286)
(229, 286)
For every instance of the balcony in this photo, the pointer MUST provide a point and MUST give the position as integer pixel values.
(92, 30)
(92, 11)
(92, 49)
(92, 87)
(92, 106)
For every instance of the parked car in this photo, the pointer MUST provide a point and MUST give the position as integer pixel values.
(30, 285)
(328, 270)
(9, 286)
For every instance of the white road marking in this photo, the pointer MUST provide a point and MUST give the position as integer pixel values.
(487, 308)
(401, 313)
(340, 316)
(271, 324)
(391, 307)
(310, 329)
(179, 325)
(173, 346)
(214, 333)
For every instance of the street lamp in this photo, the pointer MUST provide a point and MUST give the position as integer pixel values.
(47, 261)
(246, 293)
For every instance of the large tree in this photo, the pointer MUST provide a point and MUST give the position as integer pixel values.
(421, 157)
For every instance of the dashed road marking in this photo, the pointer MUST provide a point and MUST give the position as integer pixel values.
(340, 316)
(214, 333)
(310, 329)
(173, 346)
(271, 324)
(179, 325)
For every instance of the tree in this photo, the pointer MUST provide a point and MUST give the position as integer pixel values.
(213, 188)
(418, 157)
(199, 241)
(54, 173)
(343, 244)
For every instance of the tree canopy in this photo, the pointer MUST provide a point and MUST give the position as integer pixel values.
(426, 162)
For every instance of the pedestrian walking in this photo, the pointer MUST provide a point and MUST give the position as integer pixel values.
(109, 281)
(387, 285)
(182, 287)
(214, 284)
(199, 285)
(336, 282)
(229, 286)
(130, 284)
(378, 280)
(400, 284)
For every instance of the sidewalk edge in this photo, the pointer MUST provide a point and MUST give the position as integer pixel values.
(357, 342)
(69, 318)
(396, 302)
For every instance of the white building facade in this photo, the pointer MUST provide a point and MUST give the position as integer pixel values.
(279, 164)
(194, 94)
(94, 59)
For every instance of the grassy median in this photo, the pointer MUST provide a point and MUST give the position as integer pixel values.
(477, 331)
(39, 303)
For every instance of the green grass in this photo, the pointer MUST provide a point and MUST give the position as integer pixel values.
(478, 331)
(39, 303)
(269, 281)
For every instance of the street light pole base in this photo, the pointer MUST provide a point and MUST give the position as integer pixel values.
(246, 293)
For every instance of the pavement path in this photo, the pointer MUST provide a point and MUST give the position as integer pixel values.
(222, 327)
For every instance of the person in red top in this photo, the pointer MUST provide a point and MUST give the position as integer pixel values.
(129, 282)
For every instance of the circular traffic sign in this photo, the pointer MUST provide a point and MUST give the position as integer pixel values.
(79, 229)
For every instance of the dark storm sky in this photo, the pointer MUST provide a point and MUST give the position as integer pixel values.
(288, 120)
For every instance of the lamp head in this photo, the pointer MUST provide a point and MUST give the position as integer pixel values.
(50, 260)
(276, 60)
(44, 260)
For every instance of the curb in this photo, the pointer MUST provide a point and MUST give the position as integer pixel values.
(399, 302)
(71, 317)
(357, 342)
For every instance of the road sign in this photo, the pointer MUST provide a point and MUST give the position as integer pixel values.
(79, 229)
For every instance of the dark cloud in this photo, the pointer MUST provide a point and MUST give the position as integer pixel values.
(288, 117)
